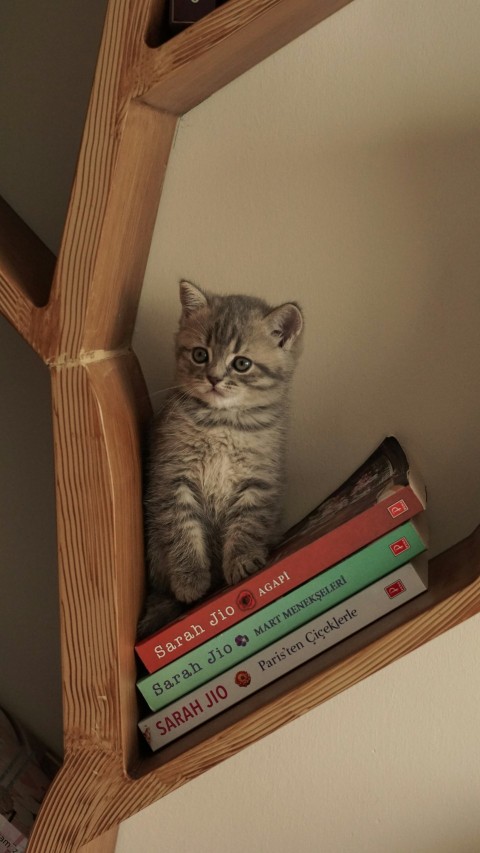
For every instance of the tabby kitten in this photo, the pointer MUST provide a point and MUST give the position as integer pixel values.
(217, 457)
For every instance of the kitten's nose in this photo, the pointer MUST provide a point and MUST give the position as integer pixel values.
(214, 380)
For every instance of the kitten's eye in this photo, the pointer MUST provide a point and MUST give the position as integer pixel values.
(199, 355)
(241, 364)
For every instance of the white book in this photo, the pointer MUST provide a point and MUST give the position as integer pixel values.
(10, 838)
(281, 657)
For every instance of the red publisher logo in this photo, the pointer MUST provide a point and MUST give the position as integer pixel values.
(400, 546)
(394, 589)
(246, 600)
(397, 509)
(243, 678)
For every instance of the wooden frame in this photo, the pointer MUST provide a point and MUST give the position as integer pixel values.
(81, 325)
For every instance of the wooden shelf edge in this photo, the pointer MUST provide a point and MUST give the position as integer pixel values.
(26, 272)
(119, 795)
(454, 596)
(114, 200)
(98, 408)
(187, 69)
(127, 227)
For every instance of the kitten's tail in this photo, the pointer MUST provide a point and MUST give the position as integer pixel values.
(159, 610)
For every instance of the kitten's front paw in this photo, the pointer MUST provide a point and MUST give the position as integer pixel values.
(242, 565)
(189, 585)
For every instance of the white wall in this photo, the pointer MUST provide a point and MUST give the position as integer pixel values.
(345, 172)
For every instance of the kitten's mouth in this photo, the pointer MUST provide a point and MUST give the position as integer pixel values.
(215, 396)
(214, 391)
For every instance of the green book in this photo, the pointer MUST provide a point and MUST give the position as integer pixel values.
(284, 615)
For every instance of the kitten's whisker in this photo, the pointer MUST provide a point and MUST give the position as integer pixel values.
(165, 390)
(161, 391)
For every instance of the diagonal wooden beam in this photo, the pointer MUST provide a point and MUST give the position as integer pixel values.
(183, 72)
(26, 271)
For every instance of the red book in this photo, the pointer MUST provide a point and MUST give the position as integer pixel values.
(382, 494)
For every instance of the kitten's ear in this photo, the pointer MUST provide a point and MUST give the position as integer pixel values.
(192, 298)
(285, 324)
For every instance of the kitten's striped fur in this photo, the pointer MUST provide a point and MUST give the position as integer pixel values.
(217, 462)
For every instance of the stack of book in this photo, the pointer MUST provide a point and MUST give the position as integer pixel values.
(359, 555)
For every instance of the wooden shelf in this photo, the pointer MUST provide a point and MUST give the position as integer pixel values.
(452, 597)
(78, 314)
(26, 272)
(187, 69)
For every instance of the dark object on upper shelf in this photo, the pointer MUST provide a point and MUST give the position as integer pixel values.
(183, 13)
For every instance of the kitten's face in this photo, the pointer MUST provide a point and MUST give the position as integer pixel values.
(234, 351)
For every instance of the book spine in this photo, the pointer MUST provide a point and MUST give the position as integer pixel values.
(277, 659)
(281, 617)
(10, 838)
(230, 607)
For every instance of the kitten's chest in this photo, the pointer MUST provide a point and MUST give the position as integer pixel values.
(222, 463)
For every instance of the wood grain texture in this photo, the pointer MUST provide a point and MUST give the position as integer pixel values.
(26, 272)
(127, 228)
(24, 259)
(98, 409)
(96, 172)
(186, 70)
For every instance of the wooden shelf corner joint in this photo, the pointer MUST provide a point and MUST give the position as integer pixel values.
(78, 314)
